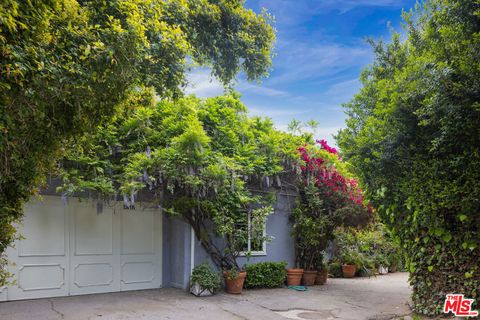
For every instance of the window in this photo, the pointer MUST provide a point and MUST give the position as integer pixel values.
(255, 246)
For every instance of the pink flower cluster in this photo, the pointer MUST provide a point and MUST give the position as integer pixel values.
(326, 147)
(328, 179)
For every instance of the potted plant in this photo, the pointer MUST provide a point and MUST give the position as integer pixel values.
(234, 280)
(394, 259)
(294, 276)
(204, 280)
(313, 227)
(349, 260)
(381, 263)
(322, 272)
(308, 278)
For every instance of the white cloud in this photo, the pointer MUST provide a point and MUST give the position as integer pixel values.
(202, 84)
(326, 133)
(301, 61)
(274, 113)
(260, 90)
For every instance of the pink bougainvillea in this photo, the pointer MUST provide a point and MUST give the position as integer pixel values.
(326, 147)
(328, 179)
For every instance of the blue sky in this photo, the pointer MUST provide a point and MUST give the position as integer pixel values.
(320, 52)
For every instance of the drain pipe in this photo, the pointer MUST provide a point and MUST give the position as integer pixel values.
(192, 249)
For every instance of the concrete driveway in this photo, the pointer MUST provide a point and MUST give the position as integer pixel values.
(381, 297)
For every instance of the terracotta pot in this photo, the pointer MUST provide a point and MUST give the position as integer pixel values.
(349, 270)
(294, 277)
(308, 278)
(235, 286)
(321, 277)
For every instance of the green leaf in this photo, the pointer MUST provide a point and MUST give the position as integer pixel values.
(447, 237)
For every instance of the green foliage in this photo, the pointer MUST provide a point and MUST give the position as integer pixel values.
(413, 137)
(198, 158)
(265, 275)
(68, 65)
(335, 269)
(206, 277)
(313, 228)
(368, 248)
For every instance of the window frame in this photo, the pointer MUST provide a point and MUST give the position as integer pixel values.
(257, 253)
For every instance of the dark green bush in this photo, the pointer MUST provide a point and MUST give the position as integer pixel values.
(265, 275)
(335, 269)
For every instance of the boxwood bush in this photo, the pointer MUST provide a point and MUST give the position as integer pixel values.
(265, 274)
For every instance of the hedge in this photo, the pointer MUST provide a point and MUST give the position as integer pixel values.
(265, 275)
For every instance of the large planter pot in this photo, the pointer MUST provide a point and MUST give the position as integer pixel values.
(198, 291)
(235, 285)
(393, 268)
(349, 270)
(308, 278)
(294, 277)
(382, 270)
(321, 277)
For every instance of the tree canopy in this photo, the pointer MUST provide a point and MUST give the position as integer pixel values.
(413, 137)
(202, 159)
(67, 65)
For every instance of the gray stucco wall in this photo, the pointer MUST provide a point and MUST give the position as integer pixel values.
(281, 248)
(176, 252)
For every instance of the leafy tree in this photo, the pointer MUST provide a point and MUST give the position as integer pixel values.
(199, 158)
(67, 65)
(413, 137)
(295, 126)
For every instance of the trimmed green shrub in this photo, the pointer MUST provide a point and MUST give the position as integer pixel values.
(265, 274)
(206, 277)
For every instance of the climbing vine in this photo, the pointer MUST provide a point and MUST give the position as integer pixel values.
(200, 159)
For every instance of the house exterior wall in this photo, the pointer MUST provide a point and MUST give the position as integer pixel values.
(176, 252)
(181, 250)
(280, 248)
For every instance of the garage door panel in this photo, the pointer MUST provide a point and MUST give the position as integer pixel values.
(72, 250)
(45, 227)
(93, 274)
(137, 232)
(141, 266)
(138, 272)
(52, 276)
(93, 231)
(40, 258)
(95, 253)
(3, 293)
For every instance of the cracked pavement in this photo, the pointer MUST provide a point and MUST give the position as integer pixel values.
(382, 297)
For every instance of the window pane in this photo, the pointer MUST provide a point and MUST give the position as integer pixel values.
(242, 236)
(257, 240)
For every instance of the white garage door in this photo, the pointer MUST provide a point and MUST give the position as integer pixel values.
(71, 250)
